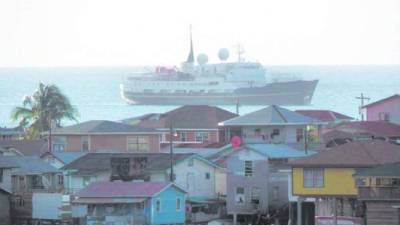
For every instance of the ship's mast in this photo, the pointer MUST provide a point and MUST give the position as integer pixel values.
(190, 58)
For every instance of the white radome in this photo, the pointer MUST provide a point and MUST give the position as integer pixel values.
(202, 59)
(223, 54)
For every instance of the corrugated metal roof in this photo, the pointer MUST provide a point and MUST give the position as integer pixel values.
(324, 115)
(270, 115)
(279, 150)
(28, 165)
(354, 155)
(387, 170)
(101, 126)
(107, 189)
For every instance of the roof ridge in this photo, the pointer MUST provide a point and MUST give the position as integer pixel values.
(367, 152)
(279, 113)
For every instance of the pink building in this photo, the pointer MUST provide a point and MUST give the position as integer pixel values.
(97, 135)
(387, 109)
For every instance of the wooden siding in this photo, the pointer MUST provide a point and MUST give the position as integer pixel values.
(337, 182)
(380, 212)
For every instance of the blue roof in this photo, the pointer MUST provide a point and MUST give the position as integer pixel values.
(67, 157)
(279, 151)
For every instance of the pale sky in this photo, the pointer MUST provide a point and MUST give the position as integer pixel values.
(148, 32)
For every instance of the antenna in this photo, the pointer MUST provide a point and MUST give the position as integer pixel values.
(240, 51)
(362, 98)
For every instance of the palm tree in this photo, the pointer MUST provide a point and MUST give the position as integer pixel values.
(45, 105)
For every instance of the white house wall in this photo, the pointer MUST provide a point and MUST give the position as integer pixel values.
(6, 184)
(46, 205)
(193, 178)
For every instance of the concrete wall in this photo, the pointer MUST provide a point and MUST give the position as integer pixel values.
(236, 178)
(391, 106)
(4, 208)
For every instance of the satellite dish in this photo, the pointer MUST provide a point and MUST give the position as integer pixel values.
(223, 54)
(202, 59)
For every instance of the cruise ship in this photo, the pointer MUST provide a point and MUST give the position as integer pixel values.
(224, 83)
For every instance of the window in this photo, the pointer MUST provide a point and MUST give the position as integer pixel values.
(59, 143)
(85, 181)
(138, 143)
(60, 179)
(158, 205)
(183, 136)
(208, 175)
(313, 178)
(299, 135)
(385, 116)
(201, 136)
(85, 143)
(239, 196)
(1, 175)
(361, 182)
(257, 132)
(178, 204)
(191, 162)
(255, 195)
(248, 168)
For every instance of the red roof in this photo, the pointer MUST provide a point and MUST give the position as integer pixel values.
(324, 115)
(373, 128)
(122, 189)
(354, 155)
(382, 100)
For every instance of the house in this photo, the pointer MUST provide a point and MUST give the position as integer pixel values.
(60, 159)
(11, 133)
(328, 176)
(379, 189)
(387, 109)
(195, 124)
(203, 180)
(271, 175)
(272, 124)
(23, 147)
(326, 116)
(36, 188)
(97, 135)
(6, 168)
(361, 130)
(126, 203)
(5, 203)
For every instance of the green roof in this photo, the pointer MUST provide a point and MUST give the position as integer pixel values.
(386, 170)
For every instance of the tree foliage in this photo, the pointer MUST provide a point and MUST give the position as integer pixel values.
(47, 104)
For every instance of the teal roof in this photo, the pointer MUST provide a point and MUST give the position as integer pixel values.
(386, 170)
(279, 151)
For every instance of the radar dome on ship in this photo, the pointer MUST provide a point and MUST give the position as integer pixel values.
(202, 59)
(223, 54)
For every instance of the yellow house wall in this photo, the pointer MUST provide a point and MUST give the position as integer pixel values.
(337, 181)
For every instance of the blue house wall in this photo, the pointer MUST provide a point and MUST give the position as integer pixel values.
(168, 213)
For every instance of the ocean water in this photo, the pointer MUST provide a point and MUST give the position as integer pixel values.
(94, 91)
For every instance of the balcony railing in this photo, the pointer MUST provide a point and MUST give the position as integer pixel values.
(379, 193)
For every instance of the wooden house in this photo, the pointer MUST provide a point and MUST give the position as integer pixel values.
(379, 189)
(328, 177)
(99, 135)
(125, 203)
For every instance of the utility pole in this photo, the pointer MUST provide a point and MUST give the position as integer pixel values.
(171, 136)
(237, 106)
(362, 98)
(50, 142)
